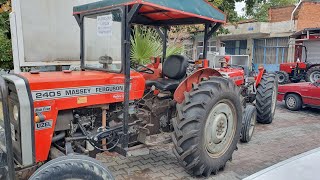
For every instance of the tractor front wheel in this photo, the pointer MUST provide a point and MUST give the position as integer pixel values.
(72, 167)
(266, 98)
(313, 74)
(248, 123)
(207, 127)
(283, 77)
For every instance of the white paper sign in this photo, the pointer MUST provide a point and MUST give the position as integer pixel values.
(104, 25)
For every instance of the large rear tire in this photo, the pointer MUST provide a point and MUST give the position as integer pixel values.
(283, 77)
(72, 167)
(313, 74)
(207, 127)
(266, 98)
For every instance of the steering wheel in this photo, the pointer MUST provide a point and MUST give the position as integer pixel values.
(141, 68)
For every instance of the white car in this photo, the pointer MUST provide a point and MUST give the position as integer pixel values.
(305, 166)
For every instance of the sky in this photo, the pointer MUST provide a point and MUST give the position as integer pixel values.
(239, 7)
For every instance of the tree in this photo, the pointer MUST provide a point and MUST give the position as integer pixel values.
(227, 6)
(259, 10)
(5, 38)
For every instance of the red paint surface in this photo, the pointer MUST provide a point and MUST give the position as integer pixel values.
(309, 93)
(170, 14)
(56, 80)
(288, 67)
(186, 85)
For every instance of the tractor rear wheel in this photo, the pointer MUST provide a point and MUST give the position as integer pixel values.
(248, 123)
(266, 98)
(72, 167)
(313, 74)
(283, 77)
(207, 127)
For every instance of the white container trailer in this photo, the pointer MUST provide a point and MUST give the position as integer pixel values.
(44, 32)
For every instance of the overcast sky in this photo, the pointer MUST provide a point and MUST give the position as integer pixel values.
(239, 7)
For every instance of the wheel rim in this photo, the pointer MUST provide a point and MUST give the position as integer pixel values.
(220, 128)
(252, 124)
(315, 76)
(281, 78)
(274, 100)
(291, 102)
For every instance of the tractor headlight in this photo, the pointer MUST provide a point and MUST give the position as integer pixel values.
(15, 112)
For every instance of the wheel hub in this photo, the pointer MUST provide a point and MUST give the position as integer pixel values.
(281, 78)
(291, 102)
(220, 128)
(315, 76)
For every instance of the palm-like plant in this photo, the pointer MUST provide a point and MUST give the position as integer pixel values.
(146, 43)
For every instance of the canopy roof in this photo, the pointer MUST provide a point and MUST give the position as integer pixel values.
(163, 12)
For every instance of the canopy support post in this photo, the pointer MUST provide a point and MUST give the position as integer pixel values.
(205, 41)
(207, 36)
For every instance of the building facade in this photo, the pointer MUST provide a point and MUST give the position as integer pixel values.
(267, 43)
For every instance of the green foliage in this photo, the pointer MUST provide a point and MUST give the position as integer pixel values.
(227, 6)
(146, 43)
(5, 52)
(5, 42)
(259, 10)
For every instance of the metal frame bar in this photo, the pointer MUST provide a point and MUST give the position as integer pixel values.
(126, 59)
(9, 149)
(277, 52)
(80, 19)
(205, 41)
(164, 37)
(208, 32)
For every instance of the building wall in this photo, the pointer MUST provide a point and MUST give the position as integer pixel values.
(308, 16)
(280, 14)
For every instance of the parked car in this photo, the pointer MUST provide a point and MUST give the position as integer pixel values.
(300, 94)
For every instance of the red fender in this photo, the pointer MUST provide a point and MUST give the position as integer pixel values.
(259, 77)
(186, 85)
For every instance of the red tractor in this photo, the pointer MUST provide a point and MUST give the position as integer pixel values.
(111, 104)
(297, 71)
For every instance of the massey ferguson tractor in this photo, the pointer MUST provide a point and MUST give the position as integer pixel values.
(51, 122)
(297, 71)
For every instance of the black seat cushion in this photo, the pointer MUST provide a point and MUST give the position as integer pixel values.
(164, 84)
(175, 67)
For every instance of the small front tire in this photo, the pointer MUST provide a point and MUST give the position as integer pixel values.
(283, 77)
(248, 123)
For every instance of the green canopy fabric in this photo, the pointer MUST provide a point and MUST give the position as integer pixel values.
(198, 7)
(174, 9)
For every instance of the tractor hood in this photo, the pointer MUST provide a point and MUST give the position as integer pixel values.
(56, 85)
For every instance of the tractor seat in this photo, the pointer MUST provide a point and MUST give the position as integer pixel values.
(174, 71)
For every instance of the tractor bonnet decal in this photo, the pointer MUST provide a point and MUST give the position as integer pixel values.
(42, 109)
(44, 125)
(74, 92)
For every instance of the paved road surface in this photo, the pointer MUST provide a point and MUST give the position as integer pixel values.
(290, 134)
